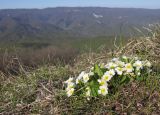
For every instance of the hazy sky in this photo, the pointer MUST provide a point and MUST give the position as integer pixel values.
(153, 4)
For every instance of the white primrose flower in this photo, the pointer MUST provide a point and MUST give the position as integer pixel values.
(119, 70)
(111, 65)
(70, 85)
(115, 59)
(91, 73)
(103, 90)
(86, 77)
(69, 80)
(78, 81)
(147, 63)
(101, 81)
(125, 57)
(120, 63)
(111, 72)
(80, 77)
(107, 77)
(70, 92)
(138, 64)
(128, 67)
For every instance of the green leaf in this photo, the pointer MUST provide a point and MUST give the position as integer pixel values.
(98, 70)
(125, 79)
(94, 88)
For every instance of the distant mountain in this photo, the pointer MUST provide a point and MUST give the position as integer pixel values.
(61, 22)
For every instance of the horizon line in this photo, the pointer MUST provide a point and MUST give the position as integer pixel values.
(80, 7)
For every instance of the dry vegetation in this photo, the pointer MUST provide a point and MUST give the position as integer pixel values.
(42, 91)
(147, 47)
(29, 59)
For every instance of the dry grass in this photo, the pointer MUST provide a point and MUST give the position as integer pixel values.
(29, 59)
(145, 46)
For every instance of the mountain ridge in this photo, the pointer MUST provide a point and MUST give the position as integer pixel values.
(61, 22)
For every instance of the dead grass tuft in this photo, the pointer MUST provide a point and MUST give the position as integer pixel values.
(145, 46)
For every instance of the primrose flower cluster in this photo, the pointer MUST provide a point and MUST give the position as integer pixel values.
(102, 76)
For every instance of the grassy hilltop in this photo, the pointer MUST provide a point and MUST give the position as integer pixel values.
(33, 88)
